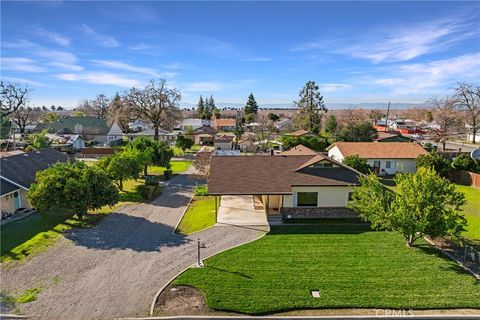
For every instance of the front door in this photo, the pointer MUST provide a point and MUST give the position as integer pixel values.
(16, 200)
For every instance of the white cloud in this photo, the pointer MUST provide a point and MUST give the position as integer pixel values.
(256, 59)
(402, 43)
(56, 55)
(24, 81)
(100, 78)
(66, 66)
(434, 75)
(202, 86)
(330, 87)
(20, 43)
(141, 47)
(125, 67)
(54, 37)
(21, 64)
(102, 40)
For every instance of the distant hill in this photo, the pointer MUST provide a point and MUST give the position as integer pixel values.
(367, 105)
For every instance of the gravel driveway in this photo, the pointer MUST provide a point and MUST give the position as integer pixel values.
(115, 269)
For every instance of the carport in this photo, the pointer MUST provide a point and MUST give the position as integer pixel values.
(241, 210)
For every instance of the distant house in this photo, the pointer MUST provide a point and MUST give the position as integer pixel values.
(194, 123)
(384, 158)
(392, 136)
(246, 145)
(89, 128)
(18, 173)
(139, 129)
(115, 134)
(223, 124)
(204, 135)
(284, 124)
(66, 142)
(223, 142)
(299, 150)
(163, 135)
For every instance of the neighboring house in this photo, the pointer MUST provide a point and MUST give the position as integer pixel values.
(90, 128)
(204, 136)
(291, 186)
(18, 173)
(284, 124)
(301, 133)
(392, 136)
(194, 123)
(115, 134)
(229, 153)
(299, 150)
(223, 124)
(163, 135)
(223, 142)
(66, 142)
(246, 145)
(384, 158)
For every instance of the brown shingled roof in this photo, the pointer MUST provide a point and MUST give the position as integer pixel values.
(299, 133)
(224, 123)
(299, 150)
(376, 150)
(272, 175)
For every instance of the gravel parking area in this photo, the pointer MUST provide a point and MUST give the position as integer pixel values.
(115, 269)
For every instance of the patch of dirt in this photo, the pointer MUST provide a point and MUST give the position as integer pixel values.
(177, 300)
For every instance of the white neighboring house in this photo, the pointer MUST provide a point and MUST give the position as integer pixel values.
(115, 133)
(224, 142)
(66, 142)
(385, 158)
(194, 123)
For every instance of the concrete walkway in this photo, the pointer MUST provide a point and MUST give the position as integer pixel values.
(114, 269)
(240, 211)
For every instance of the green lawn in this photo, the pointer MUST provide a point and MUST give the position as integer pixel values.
(35, 233)
(177, 167)
(472, 211)
(199, 215)
(178, 152)
(352, 266)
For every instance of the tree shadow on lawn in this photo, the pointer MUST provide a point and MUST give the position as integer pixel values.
(123, 231)
(320, 229)
(237, 273)
(428, 249)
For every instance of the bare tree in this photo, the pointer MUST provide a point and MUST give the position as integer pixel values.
(468, 97)
(99, 107)
(156, 103)
(201, 163)
(24, 116)
(375, 116)
(262, 134)
(13, 97)
(445, 114)
(121, 112)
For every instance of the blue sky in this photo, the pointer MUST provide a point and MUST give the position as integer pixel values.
(357, 51)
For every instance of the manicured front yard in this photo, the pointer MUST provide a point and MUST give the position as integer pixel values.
(472, 211)
(199, 215)
(351, 266)
(176, 166)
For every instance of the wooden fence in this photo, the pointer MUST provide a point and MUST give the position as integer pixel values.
(467, 178)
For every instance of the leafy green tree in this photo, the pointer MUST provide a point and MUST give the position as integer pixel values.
(150, 152)
(51, 117)
(209, 107)
(239, 130)
(310, 108)
(188, 131)
(184, 143)
(201, 109)
(317, 143)
(465, 162)
(38, 141)
(273, 117)
(79, 114)
(435, 161)
(361, 131)
(357, 163)
(251, 107)
(249, 118)
(73, 186)
(424, 205)
(120, 167)
(331, 124)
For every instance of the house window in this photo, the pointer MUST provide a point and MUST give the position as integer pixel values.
(388, 164)
(307, 199)
(376, 164)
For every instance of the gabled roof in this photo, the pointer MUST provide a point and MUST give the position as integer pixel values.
(385, 136)
(299, 133)
(7, 187)
(204, 130)
(94, 125)
(224, 138)
(376, 150)
(21, 169)
(115, 129)
(224, 123)
(273, 174)
(299, 150)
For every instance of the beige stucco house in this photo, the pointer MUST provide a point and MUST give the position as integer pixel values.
(300, 184)
(385, 158)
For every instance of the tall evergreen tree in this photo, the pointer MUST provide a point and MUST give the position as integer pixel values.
(251, 107)
(201, 108)
(310, 108)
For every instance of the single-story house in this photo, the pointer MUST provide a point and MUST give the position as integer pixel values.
(115, 134)
(301, 133)
(193, 123)
(223, 124)
(392, 136)
(385, 158)
(223, 142)
(204, 135)
(18, 173)
(284, 124)
(66, 142)
(246, 145)
(90, 128)
(287, 186)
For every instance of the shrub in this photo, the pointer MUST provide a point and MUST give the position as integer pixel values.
(435, 161)
(201, 190)
(146, 191)
(168, 174)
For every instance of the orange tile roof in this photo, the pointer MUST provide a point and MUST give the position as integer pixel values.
(224, 123)
(376, 150)
(299, 150)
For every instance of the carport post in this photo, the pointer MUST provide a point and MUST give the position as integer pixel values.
(216, 209)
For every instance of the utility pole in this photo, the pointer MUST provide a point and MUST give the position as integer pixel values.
(386, 120)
